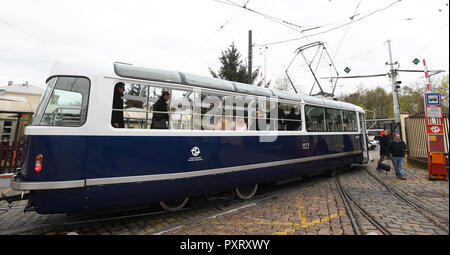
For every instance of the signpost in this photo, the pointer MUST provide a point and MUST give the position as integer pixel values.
(434, 120)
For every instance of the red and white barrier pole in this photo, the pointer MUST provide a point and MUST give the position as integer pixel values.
(427, 76)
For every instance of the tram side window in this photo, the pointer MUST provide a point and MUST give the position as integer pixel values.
(212, 113)
(67, 105)
(293, 119)
(350, 121)
(257, 113)
(334, 120)
(237, 107)
(135, 105)
(180, 109)
(314, 118)
(283, 111)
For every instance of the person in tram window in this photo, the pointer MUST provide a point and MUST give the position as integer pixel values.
(255, 124)
(222, 124)
(293, 120)
(240, 124)
(281, 117)
(160, 112)
(117, 114)
(397, 148)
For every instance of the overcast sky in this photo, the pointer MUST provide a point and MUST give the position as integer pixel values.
(189, 36)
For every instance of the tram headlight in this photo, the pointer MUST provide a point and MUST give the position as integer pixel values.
(38, 164)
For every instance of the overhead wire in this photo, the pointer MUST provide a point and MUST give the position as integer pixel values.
(25, 32)
(430, 41)
(280, 21)
(51, 45)
(214, 34)
(346, 31)
(337, 27)
(263, 23)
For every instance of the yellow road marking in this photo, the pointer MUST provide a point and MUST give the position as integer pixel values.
(292, 226)
(255, 223)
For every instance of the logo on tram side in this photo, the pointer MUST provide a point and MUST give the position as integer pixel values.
(195, 152)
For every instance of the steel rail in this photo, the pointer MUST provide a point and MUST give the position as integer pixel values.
(351, 214)
(346, 197)
(419, 208)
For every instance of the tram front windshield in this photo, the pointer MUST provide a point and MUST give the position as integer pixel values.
(64, 103)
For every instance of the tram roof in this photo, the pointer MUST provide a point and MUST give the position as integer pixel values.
(330, 103)
(152, 74)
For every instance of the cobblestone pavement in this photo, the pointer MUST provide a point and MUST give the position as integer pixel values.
(311, 206)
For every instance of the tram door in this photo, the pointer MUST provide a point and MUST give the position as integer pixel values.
(362, 124)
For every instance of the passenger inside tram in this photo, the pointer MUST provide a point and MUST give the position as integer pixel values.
(281, 117)
(293, 121)
(222, 124)
(240, 125)
(255, 123)
(160, 115)
(117, 113)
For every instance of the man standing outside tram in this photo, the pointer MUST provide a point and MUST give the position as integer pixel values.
(398, 149)
(384, 141)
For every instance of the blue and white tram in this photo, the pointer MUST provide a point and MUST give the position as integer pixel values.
(76, 160)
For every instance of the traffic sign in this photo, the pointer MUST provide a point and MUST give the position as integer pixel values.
(433, 99)
(347, 70)
(416, 61)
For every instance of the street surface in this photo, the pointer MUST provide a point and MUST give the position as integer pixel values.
(311, 206)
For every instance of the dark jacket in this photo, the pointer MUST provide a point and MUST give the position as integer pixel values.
(398, 148)
(281, 119)
(384, 143)
(255, 124)
(293, 121)
(117, 116)
(159, 119)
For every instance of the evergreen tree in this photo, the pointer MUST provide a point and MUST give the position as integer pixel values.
(232, 68)
(133, 90)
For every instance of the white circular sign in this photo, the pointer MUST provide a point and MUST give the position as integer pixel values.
(435, 129)
(195, 151)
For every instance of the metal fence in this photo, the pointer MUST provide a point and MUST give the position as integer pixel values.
(416, 136)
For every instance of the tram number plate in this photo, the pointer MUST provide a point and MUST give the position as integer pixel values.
(305, 146)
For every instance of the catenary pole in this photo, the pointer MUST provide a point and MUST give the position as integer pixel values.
(250, 56)
(394, 90)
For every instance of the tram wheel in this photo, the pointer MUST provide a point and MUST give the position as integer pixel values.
(246, 192)
(174, 205)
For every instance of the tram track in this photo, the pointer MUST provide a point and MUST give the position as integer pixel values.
(354, 218)
(350, 202)
(416, 206)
